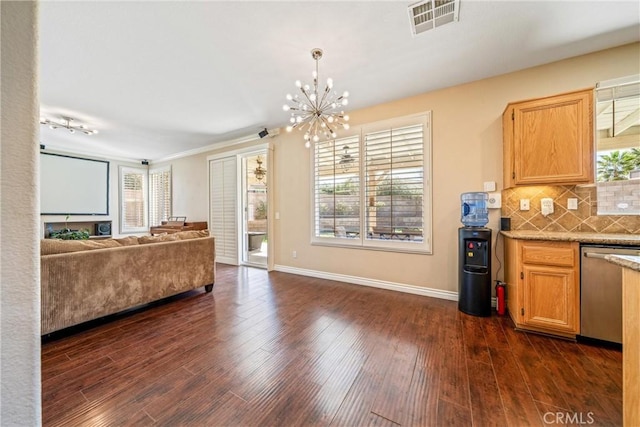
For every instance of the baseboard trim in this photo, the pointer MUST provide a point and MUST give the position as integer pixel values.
(374, 283)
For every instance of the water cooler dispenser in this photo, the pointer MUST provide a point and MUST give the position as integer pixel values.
(474, 246)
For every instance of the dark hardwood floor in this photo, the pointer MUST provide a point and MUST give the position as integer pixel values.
(283, 350)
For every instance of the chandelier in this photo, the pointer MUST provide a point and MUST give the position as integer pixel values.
(66, 124)
(259, 172)
(316, 111)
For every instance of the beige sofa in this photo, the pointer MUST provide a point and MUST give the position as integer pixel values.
(86, 280)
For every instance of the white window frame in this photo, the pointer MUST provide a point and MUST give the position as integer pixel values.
(152, 199)
(614, 197)
(361, 241)
(124, 170)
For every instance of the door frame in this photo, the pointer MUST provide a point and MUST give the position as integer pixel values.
(243, 217)
(239, 154)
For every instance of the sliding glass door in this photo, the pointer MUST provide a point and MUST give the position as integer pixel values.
(254, 209)
(238, 207)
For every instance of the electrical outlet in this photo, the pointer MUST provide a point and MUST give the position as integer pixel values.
(572, 203)
(524, 204)
(294, 254)
(494, 201)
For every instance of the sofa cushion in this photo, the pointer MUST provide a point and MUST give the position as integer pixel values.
(57, 246)
(192, 234)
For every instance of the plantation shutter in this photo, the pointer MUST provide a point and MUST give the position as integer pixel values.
(223, 225)
(337, 188)
(159, 196)
(394, 169)
(133, 200)
(373, 189)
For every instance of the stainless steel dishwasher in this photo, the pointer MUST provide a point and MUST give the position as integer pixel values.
(601, 292)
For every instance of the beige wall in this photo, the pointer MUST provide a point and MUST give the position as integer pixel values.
(467, 150)
(19, 262)
(190, 179)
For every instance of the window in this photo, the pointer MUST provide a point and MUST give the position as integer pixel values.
(159, 195)
(372, 189)
(133, 200)
(618, 146)
(337, 188)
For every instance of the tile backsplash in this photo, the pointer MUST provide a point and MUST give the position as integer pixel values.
(584, 219)
(615, 197)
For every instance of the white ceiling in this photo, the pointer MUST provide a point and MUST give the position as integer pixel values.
(161, 78)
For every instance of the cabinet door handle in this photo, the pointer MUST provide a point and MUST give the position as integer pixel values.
(522, 275)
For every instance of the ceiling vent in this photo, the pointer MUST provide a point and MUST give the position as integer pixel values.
(429, 14)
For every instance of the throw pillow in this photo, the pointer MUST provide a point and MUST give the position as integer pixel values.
(143, 240)
(128, 241)
(57, 246)
(192, 234)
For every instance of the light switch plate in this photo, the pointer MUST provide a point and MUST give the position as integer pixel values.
(524, 204)
(572, 203)
(490, 186)
(494, 201)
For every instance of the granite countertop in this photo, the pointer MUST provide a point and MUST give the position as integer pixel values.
(629, 261)
(568, 236)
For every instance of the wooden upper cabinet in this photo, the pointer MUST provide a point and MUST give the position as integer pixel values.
(549, 140)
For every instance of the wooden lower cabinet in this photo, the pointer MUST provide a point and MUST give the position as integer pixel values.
(631, 347)
(543, 286)
(549, 298)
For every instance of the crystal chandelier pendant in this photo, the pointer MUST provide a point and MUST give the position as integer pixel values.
(316, 111)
